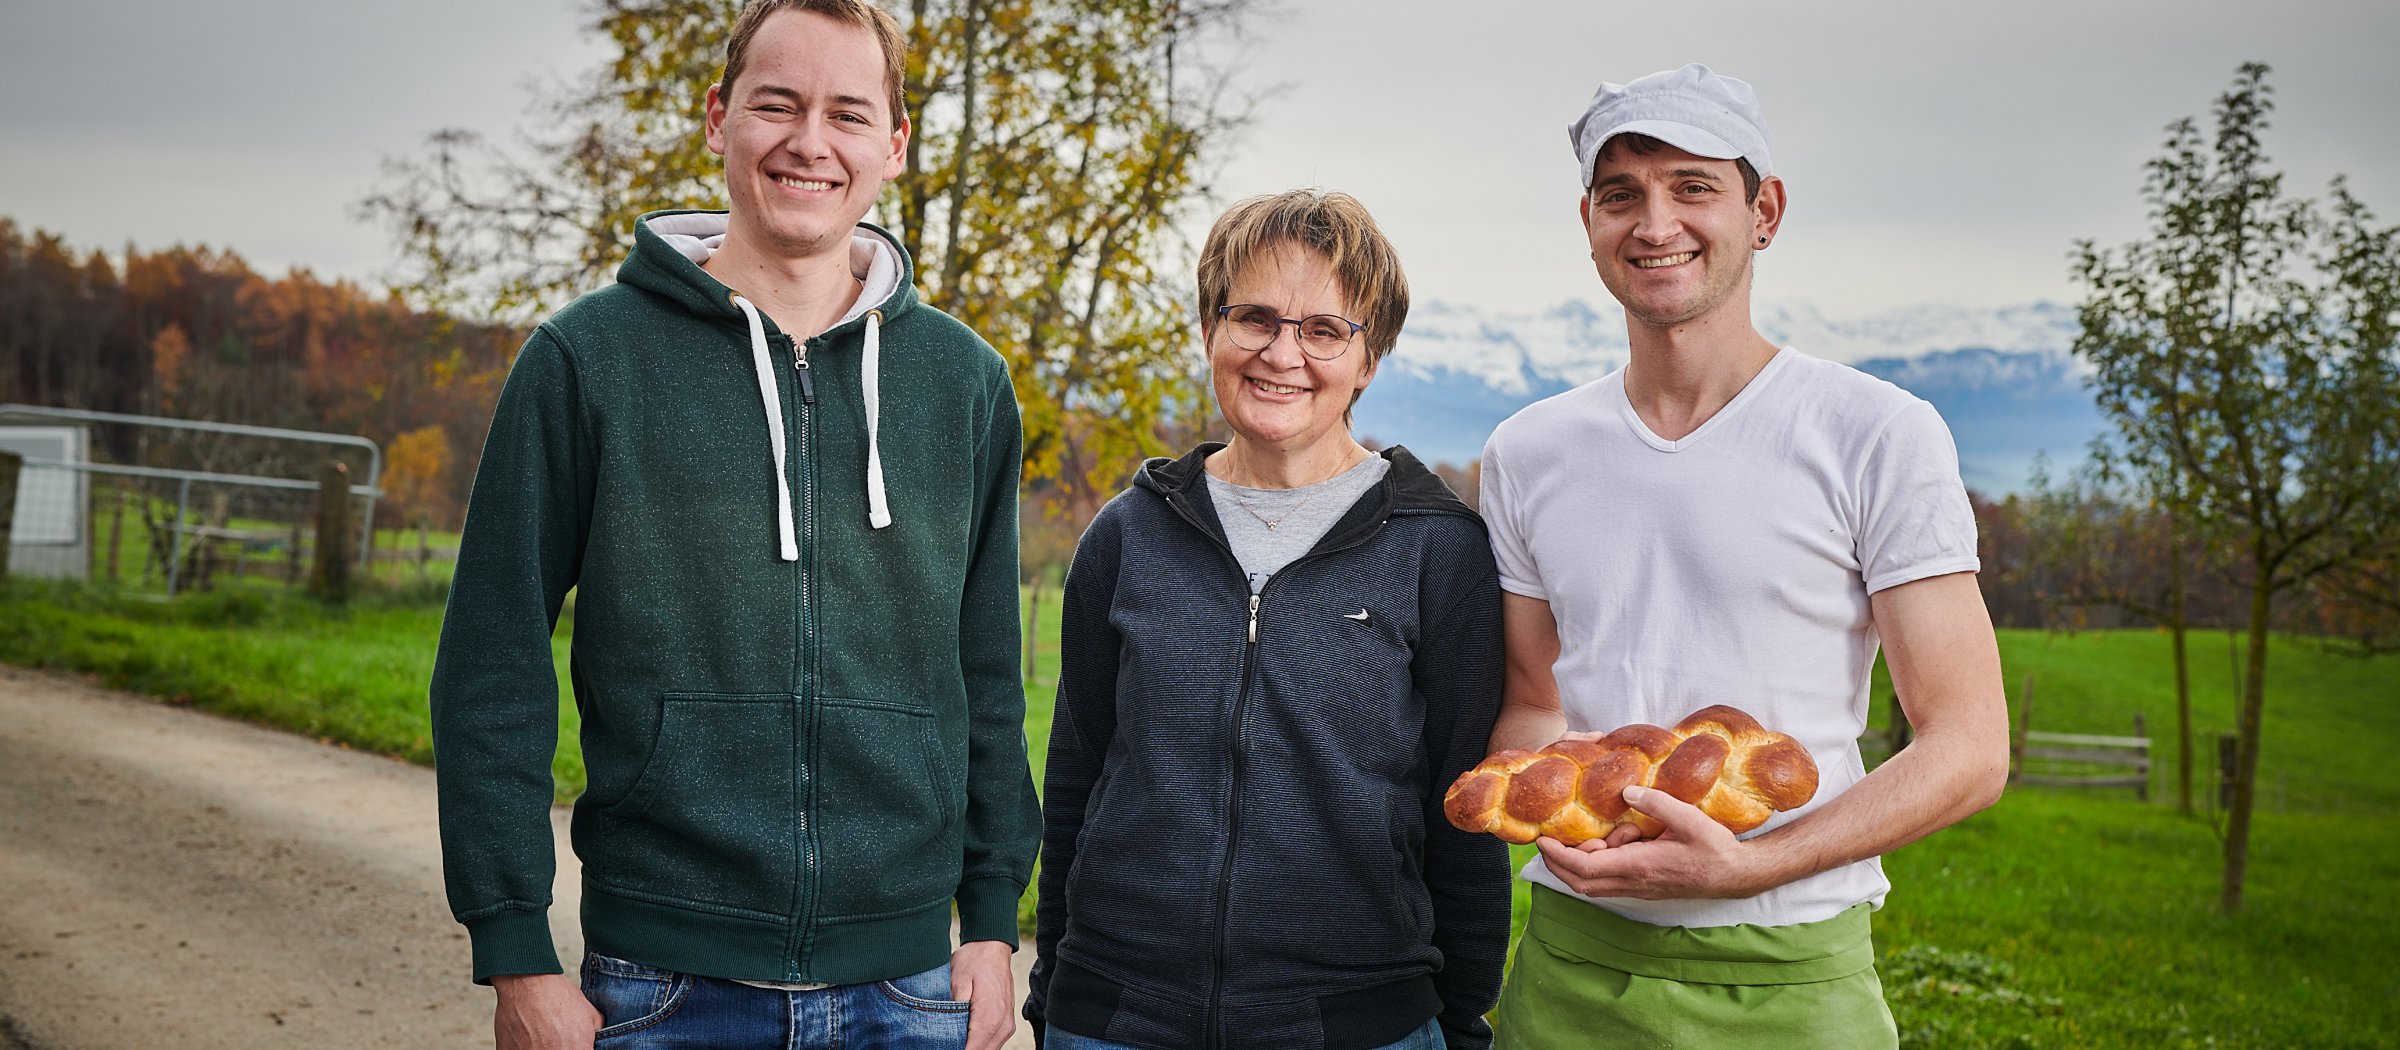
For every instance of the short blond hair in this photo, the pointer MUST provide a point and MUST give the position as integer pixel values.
(848, 12)
(1333, 225)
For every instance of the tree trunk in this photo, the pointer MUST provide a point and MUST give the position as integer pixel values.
(953, 260)
(2245, 760)
(2183, 674)
(911, 203)
(1033, 619)
(2183, 719)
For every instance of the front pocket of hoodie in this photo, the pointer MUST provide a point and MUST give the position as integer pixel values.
(888, 831)
(710, 821)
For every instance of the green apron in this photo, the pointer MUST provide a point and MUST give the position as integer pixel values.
(1587, 977)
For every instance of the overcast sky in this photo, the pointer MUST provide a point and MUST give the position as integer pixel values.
(1932, 158)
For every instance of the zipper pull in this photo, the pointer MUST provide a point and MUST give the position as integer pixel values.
(808, 390)
(1254, 619)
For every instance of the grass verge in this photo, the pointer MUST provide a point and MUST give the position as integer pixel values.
(353, 675)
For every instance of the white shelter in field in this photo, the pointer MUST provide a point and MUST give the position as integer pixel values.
(51, 537)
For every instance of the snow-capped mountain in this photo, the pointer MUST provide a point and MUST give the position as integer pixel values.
(2002, 377)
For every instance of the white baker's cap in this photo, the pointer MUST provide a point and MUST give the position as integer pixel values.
(1692, 109)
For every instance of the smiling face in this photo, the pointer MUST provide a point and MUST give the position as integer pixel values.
(807, 135)
(1672, 235)
(1280, 398)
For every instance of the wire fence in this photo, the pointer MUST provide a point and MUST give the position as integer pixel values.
(173, 506)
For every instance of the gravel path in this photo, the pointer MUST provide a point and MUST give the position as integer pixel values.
(170, 878)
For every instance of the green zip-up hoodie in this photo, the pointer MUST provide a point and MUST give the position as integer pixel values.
(802, 744)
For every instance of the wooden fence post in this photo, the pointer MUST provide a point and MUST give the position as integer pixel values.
(2141, 792)
(330, 578)
(10, 463)
(2016, 743)
(116, 535)
(291, 571)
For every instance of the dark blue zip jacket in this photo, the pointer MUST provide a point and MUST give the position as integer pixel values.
(1243, 837)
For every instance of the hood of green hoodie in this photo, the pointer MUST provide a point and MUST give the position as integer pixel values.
(668, 247)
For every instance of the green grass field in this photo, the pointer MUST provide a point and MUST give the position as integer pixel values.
(2057, 918)
(2076, 918)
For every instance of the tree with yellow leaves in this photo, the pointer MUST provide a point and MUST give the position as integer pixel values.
(416, 476)
(1056, 144)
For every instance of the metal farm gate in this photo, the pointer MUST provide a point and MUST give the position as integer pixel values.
(198, 503)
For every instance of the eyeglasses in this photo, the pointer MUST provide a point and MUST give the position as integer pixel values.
(1321, 336)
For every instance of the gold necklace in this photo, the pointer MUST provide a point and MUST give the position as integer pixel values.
(1279, 519)
(1271, 523)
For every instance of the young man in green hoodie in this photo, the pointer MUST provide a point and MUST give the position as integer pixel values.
(784, 493)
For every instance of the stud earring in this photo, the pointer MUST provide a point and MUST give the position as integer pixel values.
(1762, 242)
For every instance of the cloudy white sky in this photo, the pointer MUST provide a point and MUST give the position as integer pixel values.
(1937, 152)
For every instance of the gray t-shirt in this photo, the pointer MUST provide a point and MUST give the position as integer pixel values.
(1270, 528)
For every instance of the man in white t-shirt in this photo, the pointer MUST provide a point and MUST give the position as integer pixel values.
(1724, 521)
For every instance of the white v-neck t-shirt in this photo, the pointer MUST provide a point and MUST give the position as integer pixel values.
(1730, 566)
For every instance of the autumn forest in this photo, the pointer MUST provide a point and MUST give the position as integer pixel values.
(197, 333)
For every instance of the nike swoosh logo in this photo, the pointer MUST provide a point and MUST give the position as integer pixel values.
(1360, 616)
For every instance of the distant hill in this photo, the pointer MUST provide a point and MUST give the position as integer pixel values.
(2003, 407)
(2003, 378)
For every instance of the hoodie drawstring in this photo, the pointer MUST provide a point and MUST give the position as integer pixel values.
(771, 396)
(879, 513)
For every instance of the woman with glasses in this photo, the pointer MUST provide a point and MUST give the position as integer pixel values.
(1277, 653)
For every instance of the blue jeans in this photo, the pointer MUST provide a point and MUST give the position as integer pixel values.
(1426, 1038)
(643, 1008)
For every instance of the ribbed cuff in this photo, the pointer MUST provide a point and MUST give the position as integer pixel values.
(512, 942)
(987, 909)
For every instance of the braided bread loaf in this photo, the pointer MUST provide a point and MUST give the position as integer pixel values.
(1719, 759)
